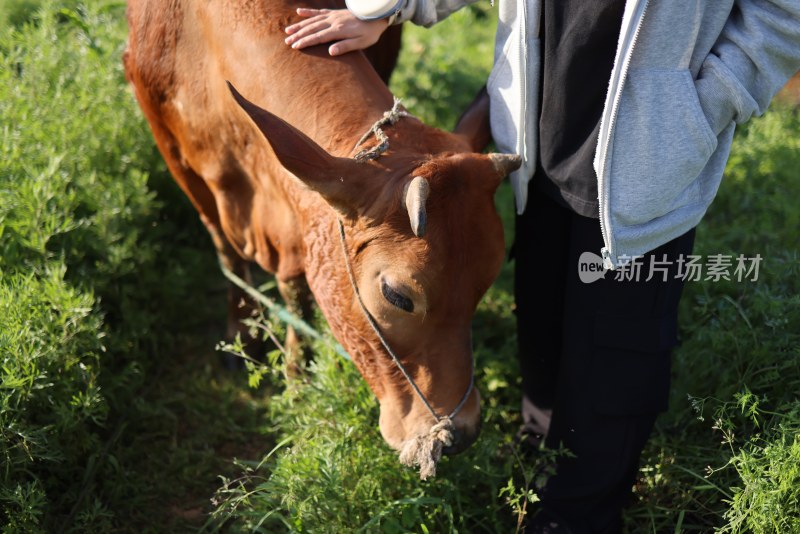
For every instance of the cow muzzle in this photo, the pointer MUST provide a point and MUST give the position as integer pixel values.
(421, 440)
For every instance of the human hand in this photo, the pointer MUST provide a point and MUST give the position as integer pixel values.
(327, 25)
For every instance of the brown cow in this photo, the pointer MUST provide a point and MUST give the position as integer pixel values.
(276, 198)
(790, 94)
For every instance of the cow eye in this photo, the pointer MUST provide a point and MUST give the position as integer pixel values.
(396, 299)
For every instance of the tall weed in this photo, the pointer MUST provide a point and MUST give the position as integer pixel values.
(93, 271)
(724, 457)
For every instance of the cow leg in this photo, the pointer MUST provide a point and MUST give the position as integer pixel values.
(240, 306)
(297, 296)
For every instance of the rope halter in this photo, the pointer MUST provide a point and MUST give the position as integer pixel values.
(423, 451)
(389, 117)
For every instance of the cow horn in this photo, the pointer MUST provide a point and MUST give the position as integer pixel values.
(505, 164)
(415, 195)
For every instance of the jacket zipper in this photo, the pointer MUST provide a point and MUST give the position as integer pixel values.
(608, 123)
(523, 56)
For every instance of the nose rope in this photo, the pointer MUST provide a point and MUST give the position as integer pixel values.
(389, 117)
(424, 451)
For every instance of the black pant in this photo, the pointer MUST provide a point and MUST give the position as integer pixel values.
(597, 354)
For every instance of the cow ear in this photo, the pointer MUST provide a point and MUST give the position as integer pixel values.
(336, 179)
(473, 125)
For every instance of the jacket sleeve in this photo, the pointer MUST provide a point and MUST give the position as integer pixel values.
(756, 53)
(429, 12)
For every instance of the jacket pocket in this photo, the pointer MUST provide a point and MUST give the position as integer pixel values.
(662, 142)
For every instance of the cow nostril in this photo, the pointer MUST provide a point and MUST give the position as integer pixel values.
(461, 442)
(451, 450)
(454, 449)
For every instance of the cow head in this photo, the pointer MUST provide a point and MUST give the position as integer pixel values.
(425, 243)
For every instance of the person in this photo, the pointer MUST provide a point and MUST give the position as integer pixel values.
(624, 114)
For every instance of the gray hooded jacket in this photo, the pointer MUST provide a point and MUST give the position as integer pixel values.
(686, 71)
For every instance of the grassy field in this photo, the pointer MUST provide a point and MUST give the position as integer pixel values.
(117, 415)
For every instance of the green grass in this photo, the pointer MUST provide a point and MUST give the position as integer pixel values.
(729, 443)
(104, 275)
(115, 414)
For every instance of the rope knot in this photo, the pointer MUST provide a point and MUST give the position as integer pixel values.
(425, 451)
(389, 117)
